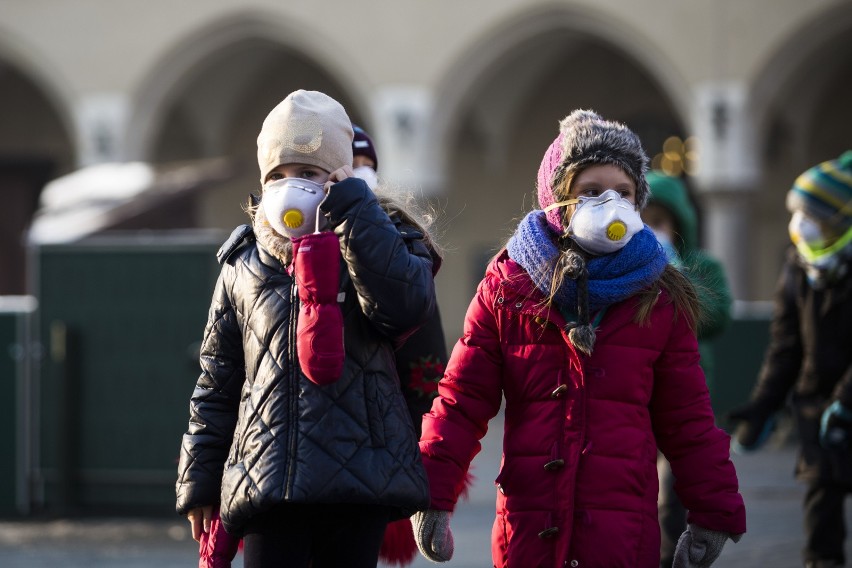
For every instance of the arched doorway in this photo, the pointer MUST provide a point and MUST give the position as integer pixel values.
(213, 104)
(801, 101)
(35, 146)
(508, 115)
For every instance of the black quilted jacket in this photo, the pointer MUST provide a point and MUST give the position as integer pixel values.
(260, 433)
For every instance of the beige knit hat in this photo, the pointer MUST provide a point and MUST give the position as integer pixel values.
(308, 127)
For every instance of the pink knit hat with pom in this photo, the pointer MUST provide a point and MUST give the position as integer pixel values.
(585, 139)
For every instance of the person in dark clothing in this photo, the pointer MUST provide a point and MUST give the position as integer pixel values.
(421, 359)
(809, 358)
(298, 420)
(671, 215)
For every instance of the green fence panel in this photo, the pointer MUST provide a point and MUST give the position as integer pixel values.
(15, 359)
(738, 354)
(8, 412)
(121, 321)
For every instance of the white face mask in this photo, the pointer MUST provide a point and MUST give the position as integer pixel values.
(813, 246)
(367, 174)
(291, 206)
(603, 224)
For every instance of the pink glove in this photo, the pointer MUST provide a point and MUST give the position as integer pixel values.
(217, 548)
(319, 341)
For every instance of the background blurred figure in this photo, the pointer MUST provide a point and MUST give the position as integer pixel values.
(420, 360)
(809, 354)
(672, 216)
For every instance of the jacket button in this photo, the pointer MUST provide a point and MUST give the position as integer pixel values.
(574, 563)
(549, 533)
(557, 392)
(500, 488)
(554, 465)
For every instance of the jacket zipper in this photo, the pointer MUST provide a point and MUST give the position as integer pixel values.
(293, 378)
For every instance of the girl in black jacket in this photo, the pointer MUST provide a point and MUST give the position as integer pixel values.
(308, 471)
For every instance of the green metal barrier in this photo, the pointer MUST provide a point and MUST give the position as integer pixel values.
(15, 359)
(738, 354)
(121, 320)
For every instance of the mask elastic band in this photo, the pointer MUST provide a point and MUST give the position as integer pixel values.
(813, 255)
(561, 203)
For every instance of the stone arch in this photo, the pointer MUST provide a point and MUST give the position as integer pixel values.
(37, 143)
(23, 65)
(208, 96)
(799, 82)
(534, 28)
(239, 34)
(800, 101)
(497, 111)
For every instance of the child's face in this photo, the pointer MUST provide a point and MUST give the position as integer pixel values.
(598, 178)
(361, 161)
(660, 220)
(304, 171)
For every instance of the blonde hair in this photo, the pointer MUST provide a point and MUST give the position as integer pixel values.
(403, 207)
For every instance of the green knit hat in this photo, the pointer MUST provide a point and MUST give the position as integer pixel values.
(824, 192)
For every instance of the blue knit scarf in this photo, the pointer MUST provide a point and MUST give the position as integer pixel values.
(612, 277)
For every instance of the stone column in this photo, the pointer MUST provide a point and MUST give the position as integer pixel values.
(101, 120)
(726, 176)
(403, 136)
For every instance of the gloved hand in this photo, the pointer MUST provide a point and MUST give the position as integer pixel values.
(698, 547)
(755, 425)
(432, 534)
(835, 427)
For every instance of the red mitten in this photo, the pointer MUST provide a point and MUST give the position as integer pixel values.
(319, 341)
(217, 548)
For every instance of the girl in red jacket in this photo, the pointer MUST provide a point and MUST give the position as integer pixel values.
(589, 335)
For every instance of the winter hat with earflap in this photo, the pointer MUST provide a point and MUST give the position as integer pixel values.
(362, 145)
(307, 127)
(824, 193)
(586, 139)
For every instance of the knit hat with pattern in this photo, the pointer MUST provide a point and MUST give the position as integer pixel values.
(307, 127)
(824, 192)
(586, 139)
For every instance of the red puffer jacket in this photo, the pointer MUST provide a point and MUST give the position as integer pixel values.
(578, 482)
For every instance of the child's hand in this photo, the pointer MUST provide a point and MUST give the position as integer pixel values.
(338, 175)
(199, 519)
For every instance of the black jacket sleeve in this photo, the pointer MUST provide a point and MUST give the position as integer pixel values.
(783, 359)
(420, 363)
(213, 407)
(392, 275)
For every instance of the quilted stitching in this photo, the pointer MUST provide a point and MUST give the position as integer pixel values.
(343, 451)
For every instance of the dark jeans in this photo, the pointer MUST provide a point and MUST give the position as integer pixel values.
(825, 527)
(316, 536)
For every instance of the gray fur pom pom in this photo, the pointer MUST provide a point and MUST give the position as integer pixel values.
(583, 338)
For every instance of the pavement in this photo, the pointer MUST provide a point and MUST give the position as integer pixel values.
(773, 502)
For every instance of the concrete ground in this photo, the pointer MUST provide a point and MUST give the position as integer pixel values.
(773, 502)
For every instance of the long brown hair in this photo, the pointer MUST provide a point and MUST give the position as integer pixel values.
(681, 291)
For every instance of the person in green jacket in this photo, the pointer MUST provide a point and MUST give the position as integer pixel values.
(672, 216)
